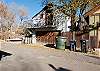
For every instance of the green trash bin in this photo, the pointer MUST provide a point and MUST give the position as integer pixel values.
(60, 42)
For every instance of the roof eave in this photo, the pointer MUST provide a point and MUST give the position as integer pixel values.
(92, 11)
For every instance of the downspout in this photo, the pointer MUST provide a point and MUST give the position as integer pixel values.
(94, 24)
(94, 32)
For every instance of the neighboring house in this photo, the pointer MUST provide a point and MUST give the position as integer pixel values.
(47, 25)
(94, 19)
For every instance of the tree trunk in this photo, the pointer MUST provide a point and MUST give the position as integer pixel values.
(73, 35)
(73, 23)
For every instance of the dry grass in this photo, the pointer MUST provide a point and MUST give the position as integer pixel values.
(2, 40)
(31, 45)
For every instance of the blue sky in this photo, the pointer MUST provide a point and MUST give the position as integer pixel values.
(33, 6)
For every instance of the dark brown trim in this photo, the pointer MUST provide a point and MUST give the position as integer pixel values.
(49, 29)
(92, 10)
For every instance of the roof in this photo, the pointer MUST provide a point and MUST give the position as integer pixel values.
(92, 11)
(49, 5)
(44, 29)
(40, 11)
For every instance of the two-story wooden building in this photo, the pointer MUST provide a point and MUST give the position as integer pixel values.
(47, 24)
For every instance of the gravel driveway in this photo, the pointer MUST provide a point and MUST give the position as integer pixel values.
(40, 58)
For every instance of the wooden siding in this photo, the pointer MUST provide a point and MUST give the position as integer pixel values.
(46, 37)
(49, 37)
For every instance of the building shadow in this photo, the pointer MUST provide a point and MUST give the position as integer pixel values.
(59, 69)
(4, 54)
(67, 47)
(50, 45)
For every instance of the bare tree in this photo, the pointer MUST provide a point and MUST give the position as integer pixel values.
(73, 7)
(7, 17)
(22, 13)
(70, 8)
